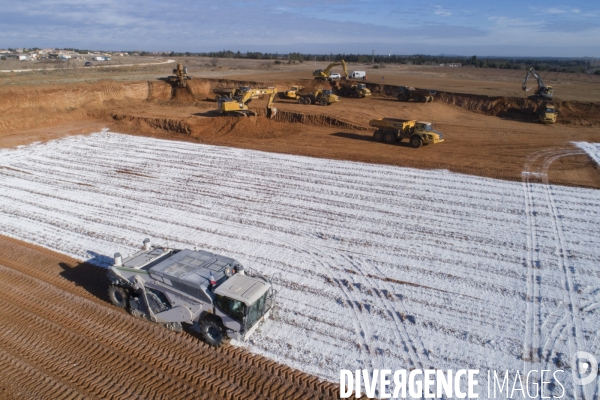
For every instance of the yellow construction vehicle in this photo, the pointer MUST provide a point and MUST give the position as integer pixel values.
(322, 97)
(547, 113)
(349, 89)
(291, 94)
(180, 76)
(542, 92)
(390, 130)
(405, 93)
(323, 74)
(230, 92)
(239, 104)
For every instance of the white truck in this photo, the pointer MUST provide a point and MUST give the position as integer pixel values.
(358, 75)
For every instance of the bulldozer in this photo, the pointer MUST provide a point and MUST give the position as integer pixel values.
(322, 97)
(419, 133)
(180, 76)
(239, 104)
(348, 89)
(542, 92)
(292, 93)
(405, 93)
(323, 74)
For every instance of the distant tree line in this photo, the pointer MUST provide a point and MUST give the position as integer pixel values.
(576, 65)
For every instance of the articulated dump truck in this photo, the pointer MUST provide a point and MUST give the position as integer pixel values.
(210, 292)
(390, 130)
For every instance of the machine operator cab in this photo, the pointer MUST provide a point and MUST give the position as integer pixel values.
(426, 131)
(243, 301)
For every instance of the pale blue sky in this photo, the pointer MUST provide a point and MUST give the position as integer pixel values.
(485, 28)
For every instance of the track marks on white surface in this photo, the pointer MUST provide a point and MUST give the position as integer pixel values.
(382, 267)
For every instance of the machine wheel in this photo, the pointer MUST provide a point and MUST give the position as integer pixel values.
(416, 141)
(423, 99)
(300, 100)
(401, 97)
(323, 102)
(212, 332)
(118, 296)
(355, 95)
(430, 99)
(378, 135)
(389, 137)
(307, 100)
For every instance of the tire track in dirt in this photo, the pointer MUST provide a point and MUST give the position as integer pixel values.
(568, 327)
(233, 373)
(402, 331)
(532, 317)
(571, 299)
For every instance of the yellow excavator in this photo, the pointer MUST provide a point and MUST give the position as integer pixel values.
(180, 76)
(542, 92)
(239, 104)
(323, 74)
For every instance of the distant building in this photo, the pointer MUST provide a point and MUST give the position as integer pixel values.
(454, 64)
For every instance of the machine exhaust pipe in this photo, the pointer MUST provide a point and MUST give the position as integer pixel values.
(147, 244)
(118, 260)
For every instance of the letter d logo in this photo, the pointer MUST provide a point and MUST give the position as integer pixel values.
(584, 363)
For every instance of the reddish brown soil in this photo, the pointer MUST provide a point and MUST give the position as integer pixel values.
(486, 136)
(61, 339)
(67, 341)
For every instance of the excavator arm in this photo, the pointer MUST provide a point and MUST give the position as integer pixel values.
(240, 104)
(324, 74)
(531, 71)
(542, 90)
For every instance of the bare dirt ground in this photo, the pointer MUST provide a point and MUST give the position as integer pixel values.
(485, 117)
(67, 342)
(488, 129)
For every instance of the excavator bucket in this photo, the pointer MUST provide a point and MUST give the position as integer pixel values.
(271, 112)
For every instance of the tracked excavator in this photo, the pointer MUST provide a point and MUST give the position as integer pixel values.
(542, 92)
(180, 76)
(323, 74)
(239, 104)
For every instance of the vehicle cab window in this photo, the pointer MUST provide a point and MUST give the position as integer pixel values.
(234, 308)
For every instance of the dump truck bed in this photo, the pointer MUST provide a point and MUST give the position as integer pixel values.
(395, 123)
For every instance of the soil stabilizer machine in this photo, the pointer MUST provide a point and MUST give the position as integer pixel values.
(323, 74)
(418, 133)
(211, 292)
(542, 92)
(239, 104)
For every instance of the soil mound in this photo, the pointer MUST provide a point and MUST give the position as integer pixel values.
(317, 120)
(514, 108)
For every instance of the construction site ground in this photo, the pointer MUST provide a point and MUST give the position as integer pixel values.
(57, 317)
